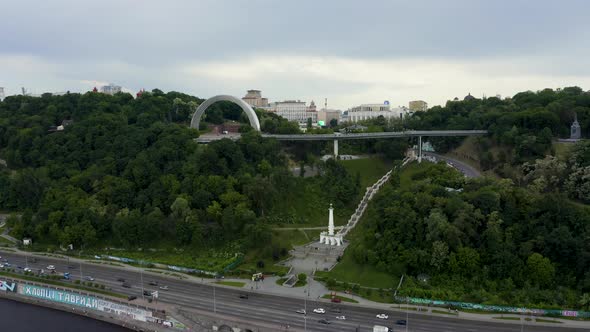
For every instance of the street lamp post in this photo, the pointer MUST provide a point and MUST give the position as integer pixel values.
(407, 312)
(305, 308)
(80, 257)
(141, 280)
(214, 303)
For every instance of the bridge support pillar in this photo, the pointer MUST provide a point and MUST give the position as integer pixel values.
(419, 149)
(335, 149)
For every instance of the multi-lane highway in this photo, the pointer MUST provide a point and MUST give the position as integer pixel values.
(263, 308)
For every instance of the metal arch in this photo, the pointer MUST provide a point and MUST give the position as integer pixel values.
(245, 107)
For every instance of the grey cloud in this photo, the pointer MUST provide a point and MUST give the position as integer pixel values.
(156, 32)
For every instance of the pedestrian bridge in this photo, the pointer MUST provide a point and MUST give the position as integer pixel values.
(389, 134)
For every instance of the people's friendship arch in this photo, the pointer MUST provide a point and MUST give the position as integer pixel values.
(203, 107)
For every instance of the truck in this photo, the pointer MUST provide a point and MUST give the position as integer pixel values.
(380, 328)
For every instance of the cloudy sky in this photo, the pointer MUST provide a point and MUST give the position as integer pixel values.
(350, 52)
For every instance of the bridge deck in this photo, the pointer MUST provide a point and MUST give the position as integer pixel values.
(357, 136)
(391, 134)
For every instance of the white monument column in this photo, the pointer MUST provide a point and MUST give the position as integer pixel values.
(331, 221)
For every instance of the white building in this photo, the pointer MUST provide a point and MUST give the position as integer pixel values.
(110, 89)
(372, 111)
(295, 111)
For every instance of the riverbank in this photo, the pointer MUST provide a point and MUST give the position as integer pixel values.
(22, 316)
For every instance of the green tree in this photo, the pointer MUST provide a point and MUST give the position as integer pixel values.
(540, 270)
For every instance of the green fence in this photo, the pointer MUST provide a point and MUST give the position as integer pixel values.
(494, 308)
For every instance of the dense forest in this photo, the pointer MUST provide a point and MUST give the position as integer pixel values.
(127, 172)
(479, 240)
(522, 126)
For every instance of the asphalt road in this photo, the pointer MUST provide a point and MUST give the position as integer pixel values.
(459, 165)
(267, 308)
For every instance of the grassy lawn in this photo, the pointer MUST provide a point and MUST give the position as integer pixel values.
(4, 241)
(562, 150)
(342, 298)
(209, 260)
(370, 170)
(307, 206)
(291, 237)
(507, 318)
(443, 312)
(300, 283)
(351, 272)
(540, 320)
(232, 283)
(406, 308)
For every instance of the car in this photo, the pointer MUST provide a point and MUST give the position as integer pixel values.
(335, 310)
(319, 311)
(153, 283)
(19, 267)
(164, 287)
(126, 285)
(301, 311)
(401, 322)
(121, 279)
(51, 267)
(1, 266)
(382, 316)
(341, 317)
(131, 297)
(6, 264)
(336, 300)
(147, 293)
(96, 257)
(28, 269)
(244, 296)
(34, 260)
(89, 278)
(324, 321)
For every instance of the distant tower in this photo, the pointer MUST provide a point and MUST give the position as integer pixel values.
(1, 93)
(326, 104)
(575, 131)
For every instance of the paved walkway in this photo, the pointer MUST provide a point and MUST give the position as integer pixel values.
(6, 230)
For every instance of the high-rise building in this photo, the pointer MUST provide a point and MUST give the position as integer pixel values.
(418, 106)
(1, 93)
(254, 98)
(110, 89)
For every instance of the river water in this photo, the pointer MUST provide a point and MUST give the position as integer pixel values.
(21, 317)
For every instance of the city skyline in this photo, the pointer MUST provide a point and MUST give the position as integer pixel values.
(350, 53)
